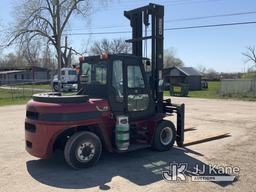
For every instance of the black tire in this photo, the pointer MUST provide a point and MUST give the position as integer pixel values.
(82, 140)
(55, 87)
(159, 142)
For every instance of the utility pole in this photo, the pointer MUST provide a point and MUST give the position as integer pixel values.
(58, 40)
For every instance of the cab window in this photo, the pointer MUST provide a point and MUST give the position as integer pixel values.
(86, 71)
(95, 73)
(117, 80)
(136, 101)
(101, 74)
(135, 79)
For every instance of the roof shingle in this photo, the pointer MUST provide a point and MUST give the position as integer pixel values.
(189, 71)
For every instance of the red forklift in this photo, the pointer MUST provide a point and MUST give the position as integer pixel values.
(119, 106)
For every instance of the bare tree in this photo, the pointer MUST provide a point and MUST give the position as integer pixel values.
(211, 74)
(67, 53)
(46, 19)
(48, 60)
(113, 47)
(120, 46)
(170, 60)
(10, 60)
(250, 55)
(31, 52)
(202, 69)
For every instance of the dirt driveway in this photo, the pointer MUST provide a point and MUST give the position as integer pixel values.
(140, 170)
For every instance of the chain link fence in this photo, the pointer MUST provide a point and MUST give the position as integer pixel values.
(23, 90)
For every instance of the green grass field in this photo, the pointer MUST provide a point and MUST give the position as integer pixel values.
(11, 97)
(213, 92)
(210, 93)
(19, 95)
(47, 86)
(15, 97)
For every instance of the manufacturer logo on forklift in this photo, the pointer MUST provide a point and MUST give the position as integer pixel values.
(102, 109)
(200, 173)
(160, 25)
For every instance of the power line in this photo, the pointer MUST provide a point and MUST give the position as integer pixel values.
(213, 16)
(166, 3)
(212, 25)
(168, 29)
(173, 20)
(167, 21)
(98, 33)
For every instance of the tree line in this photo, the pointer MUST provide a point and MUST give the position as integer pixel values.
(38, 33)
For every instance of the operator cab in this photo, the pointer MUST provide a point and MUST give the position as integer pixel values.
(120, 79)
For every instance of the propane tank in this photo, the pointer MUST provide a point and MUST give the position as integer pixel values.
(122, 134)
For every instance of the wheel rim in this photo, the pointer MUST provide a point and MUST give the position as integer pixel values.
(56, 87)
(85, 152)
(166, 136)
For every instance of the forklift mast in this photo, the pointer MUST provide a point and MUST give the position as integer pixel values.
(153, 15)
(139, 19)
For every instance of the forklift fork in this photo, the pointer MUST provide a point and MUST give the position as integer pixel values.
(171, 108)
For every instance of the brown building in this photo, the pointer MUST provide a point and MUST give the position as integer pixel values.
(13, 76)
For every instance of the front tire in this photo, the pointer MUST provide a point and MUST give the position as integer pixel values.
(82, 150)
(165, 136)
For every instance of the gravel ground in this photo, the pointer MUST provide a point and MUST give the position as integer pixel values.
(139, 170)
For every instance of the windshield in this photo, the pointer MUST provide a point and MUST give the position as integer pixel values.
(71, 72)
(94, 73)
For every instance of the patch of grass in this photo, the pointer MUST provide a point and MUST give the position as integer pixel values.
(43, 86)
(249, 96)
(19, 96)
(211, 93)
(15, 97)
(10, 101)
(177, 89)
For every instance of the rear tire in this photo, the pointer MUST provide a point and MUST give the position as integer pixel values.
(165, 136)
(82, 150)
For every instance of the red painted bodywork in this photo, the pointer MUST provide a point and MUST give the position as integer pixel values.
(47, 131)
